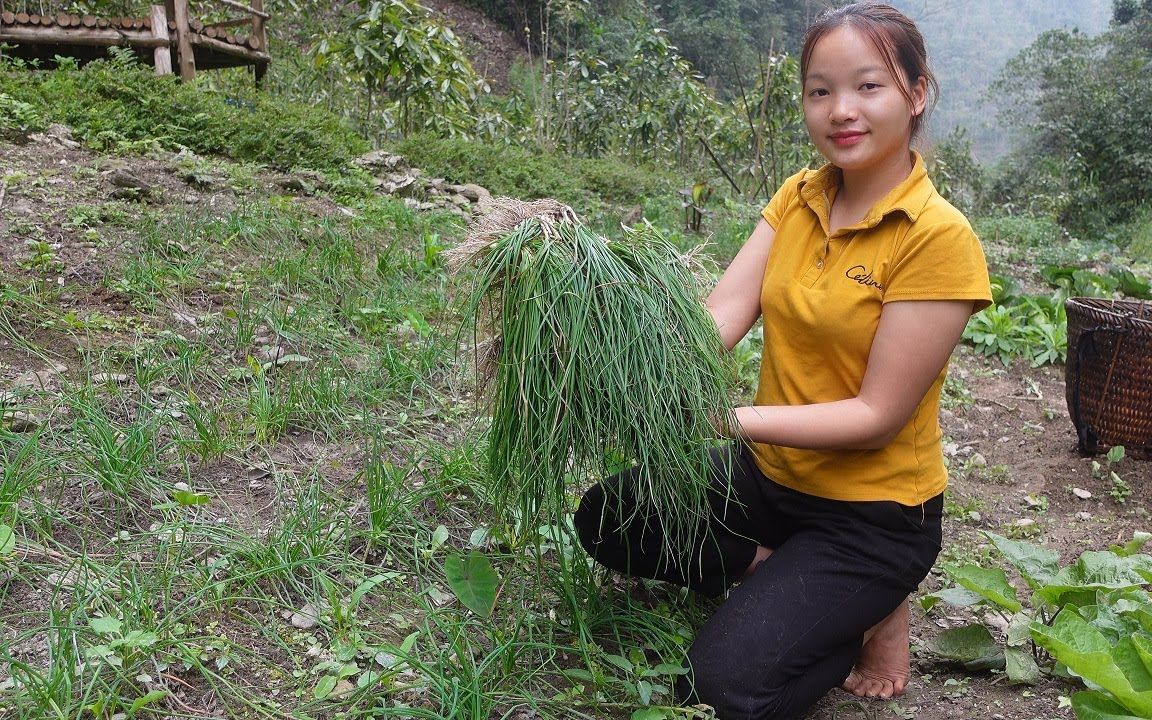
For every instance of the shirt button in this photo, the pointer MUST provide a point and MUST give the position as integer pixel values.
(819, 264)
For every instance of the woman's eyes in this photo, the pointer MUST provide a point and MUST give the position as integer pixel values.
(823, 92)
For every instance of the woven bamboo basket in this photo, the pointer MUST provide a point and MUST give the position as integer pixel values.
(1108, 376)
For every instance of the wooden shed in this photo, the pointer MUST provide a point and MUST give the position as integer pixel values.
(171, 36)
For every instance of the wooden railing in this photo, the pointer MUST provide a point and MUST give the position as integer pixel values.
(168, 27)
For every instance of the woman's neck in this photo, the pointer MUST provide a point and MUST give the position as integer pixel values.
(861, 190)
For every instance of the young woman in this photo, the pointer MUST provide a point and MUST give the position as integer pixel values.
(827, 512)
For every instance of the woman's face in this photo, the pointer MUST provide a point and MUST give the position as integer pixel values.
(854, 109)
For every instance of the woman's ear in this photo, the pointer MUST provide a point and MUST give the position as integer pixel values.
(919, 94)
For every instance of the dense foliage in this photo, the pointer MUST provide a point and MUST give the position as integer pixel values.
(117, 104)
(1085, 107)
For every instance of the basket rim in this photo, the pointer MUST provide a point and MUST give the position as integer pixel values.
(1127, 310)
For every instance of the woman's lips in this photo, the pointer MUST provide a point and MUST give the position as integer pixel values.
(844, 139)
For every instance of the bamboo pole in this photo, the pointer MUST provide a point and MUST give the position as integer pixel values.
(256, 8)
(229, 49)
(79, 36)
(184, 42)
(161, 56)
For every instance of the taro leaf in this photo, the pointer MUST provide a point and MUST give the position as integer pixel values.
(1094, 570)
(1143, 646)
(1092, 705)
(1108, 619)
(1087, 653)
(1019, 630)
(7, 540)
(991, 583)
(1020, 666)
(473, 580)
(971, 645)
(956, 596)
(1036, 564)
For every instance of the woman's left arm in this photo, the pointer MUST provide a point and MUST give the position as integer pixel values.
(912, 344)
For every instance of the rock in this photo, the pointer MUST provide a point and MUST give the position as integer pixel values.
(270, 354)
(305, 618)
(1082, 493)
(56, 134)
(304, 181)
(18, 421)
(128, 194)
(977, 461)
(114, 378)
(1083, 516)
(1023, 523)
(400, 184)
(474, 193)
(126, 179)
(381, 160)
(459, 200)
(343, 687)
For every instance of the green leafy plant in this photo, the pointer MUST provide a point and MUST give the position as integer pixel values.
(413, 69)
(1092, 581)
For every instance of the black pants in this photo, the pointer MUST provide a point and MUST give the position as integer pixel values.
(792, 630)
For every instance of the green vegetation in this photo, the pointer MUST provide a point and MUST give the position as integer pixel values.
(1087, 618)
(557, 310)
(241, 471)
(119, 105)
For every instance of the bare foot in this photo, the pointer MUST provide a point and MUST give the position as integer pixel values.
(881, 671)
(762, 554)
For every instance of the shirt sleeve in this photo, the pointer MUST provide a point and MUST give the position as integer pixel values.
(943, 261)
(785, 197)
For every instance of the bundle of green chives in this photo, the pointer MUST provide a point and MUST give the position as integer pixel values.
(601, 355)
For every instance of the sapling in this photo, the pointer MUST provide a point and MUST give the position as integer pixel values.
(599, 355)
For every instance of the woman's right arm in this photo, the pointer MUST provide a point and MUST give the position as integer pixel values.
(735, 301)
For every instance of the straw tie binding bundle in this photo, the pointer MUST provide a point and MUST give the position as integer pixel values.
(602, 356)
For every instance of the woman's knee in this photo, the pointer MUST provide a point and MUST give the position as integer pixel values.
(589, 518)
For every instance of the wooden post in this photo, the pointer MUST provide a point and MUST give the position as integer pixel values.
(183, 42)
(260, 35)
(162, 56)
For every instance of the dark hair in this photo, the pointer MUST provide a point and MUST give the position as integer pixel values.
(894, 35)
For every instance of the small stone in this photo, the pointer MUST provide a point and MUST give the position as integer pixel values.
(305, 618)
(474, 192)
(1083, 516)
(113, 378)
(1024, 523)
(459, 200)
(1033, 502)
(18, 421)
(343, 687)
(977, 461)
(271, 354)
(1082, 493)
(182, 486)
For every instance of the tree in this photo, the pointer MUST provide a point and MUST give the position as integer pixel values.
(1085, 104)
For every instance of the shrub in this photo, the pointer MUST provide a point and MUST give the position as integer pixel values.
(519, 173)
(118, 103)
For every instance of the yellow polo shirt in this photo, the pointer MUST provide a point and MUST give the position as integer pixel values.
(821, 299)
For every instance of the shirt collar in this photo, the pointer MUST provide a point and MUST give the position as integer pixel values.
(909, 197)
